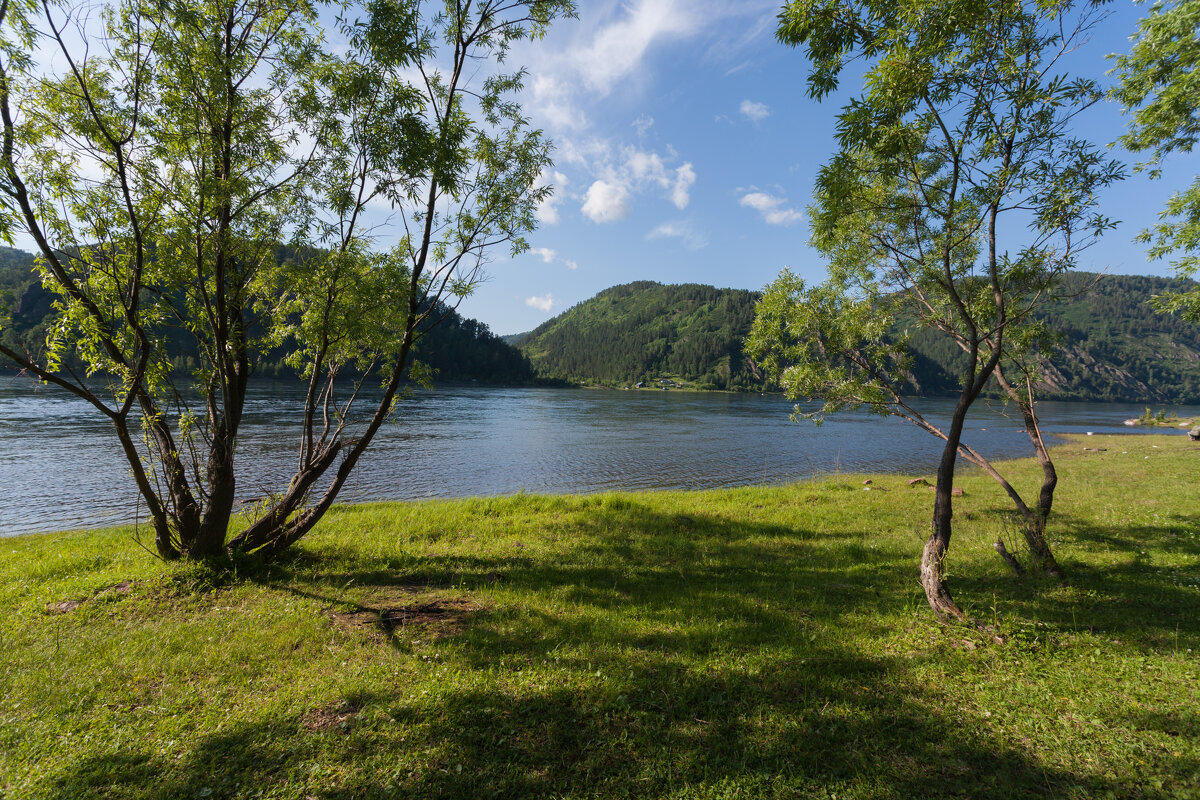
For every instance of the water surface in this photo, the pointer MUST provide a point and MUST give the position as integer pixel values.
(60, 465)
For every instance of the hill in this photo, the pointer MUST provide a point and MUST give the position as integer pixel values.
(645, 330)
(1113, 346)
(457, 348)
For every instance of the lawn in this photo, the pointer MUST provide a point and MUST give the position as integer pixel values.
(746, 643)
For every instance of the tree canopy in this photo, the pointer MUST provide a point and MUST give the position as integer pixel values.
(1159, 82)
(180, 144)
(957, 198)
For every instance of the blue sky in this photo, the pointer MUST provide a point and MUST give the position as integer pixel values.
(686, 148)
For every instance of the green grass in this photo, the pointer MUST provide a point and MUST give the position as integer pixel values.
(750, 643)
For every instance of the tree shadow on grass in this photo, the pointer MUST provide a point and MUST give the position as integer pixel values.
(833, 724)
(746, 685)
(671, 568)
(1134, 595)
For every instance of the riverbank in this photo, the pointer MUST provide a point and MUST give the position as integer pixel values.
(758, 642)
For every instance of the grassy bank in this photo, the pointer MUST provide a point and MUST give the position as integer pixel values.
(730, 644)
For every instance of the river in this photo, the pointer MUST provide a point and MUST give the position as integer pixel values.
(60, 466)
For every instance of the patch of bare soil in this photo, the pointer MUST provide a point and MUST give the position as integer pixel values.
(331, 718)
(114, 592)
(390, 610)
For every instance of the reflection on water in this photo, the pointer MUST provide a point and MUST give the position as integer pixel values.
(60, 465)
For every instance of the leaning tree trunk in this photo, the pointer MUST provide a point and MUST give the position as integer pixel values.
(1034, 523)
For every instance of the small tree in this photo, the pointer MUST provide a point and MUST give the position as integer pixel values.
(181, 145)
(1159, 81)
(959, 143)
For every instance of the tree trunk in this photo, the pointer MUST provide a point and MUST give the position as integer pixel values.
(938, 543)
(1034, 526)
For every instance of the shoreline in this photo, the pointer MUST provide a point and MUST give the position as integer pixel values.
(1065, 441)
(754, 642)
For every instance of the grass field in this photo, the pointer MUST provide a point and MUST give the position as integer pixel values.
(748, 643)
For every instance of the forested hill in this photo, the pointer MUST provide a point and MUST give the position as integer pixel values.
(458, 349)
(644, 331)
(1114, 345)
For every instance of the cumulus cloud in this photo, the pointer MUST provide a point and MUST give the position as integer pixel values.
(643, 165)
(606, 202)
(688, 236)
(583, 152)
(756, 112)
(547, 210)
(685, 176)
(570, 264)
(772, 208)
(543, 302)
(627, 171)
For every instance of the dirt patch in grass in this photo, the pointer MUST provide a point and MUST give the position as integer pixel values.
(114, 592)
(389, 610)
(331, 718)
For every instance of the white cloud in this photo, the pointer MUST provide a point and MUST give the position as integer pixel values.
(644, 166)
(607, 46)
(618, 48)
(626, 172)
(772, 208)
(542, 303)
(549, 256)
(685, 176)
(643, 124)
(606, 202)
(742, 44)
(583, 153)
(555, 104)
(757, 112)
(613, 43)
(547, 210)
(615, 46)
(683, 231)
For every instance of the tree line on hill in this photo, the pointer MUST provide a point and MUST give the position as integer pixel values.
(645, 330)
(454, 347)
(1111, 344)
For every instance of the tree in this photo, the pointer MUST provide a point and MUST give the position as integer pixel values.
(181, 145)
(955, 201)
(1159, 81)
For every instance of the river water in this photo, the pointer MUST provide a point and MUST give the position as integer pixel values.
(60, 465)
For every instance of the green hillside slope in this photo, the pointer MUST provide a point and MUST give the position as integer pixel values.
(457, 348)
(1114, 345)
(644, 331)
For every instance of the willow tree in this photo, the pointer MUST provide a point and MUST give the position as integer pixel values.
(208, 177)
(1159, 82)
(955, 201)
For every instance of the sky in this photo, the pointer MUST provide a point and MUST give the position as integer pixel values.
(686, 148)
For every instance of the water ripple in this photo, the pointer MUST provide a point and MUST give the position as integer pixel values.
(60, 467)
